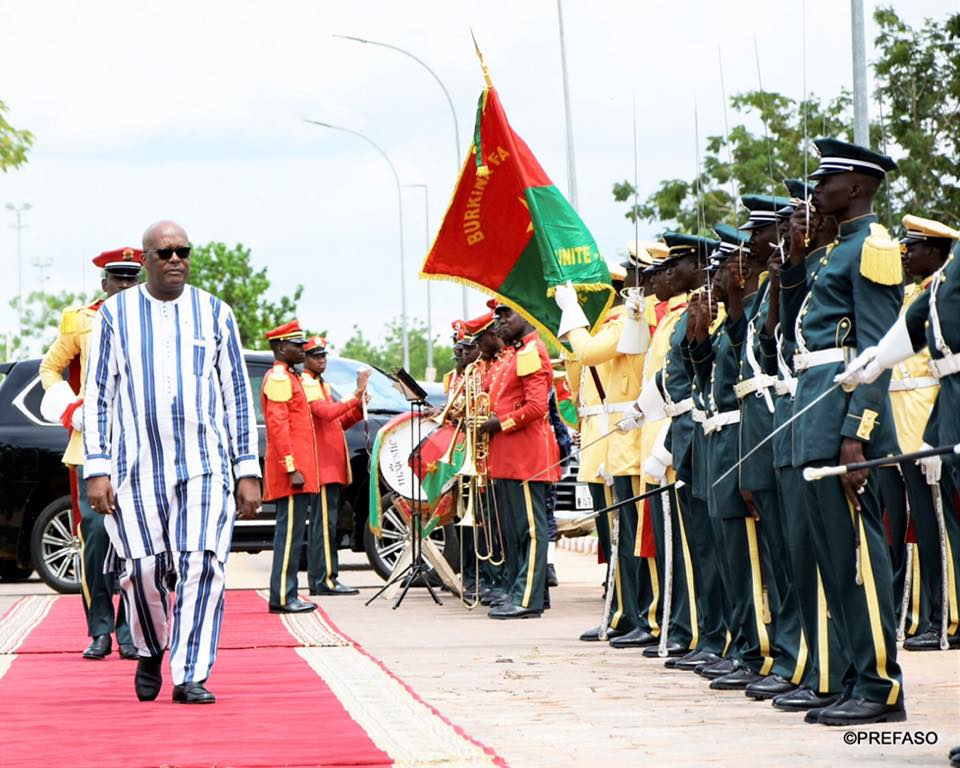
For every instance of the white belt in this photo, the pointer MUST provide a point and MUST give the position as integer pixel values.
(678, 408)
(720, 420)
(786, 386)
(597, 410)
(914, 382)
(699, 416)
(945, 366)
(749, 386)
(804, 360)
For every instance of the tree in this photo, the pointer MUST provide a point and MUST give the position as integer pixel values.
(388, 354)
(918, 94)
(228, 273)
(40, 320)
(918, 91)
(13, 143)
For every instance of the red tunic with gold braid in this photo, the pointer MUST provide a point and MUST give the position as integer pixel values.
(520, 384)
(290, 439)
(330, 419)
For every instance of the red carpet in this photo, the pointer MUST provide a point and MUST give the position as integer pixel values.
(273, 707)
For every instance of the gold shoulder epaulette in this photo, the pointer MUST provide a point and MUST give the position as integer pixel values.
(528, 360)
(880, 257)
(312, 388)
(68, 320)
(277, 385)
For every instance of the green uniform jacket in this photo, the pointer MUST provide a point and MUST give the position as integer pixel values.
(756, 420)
(717, 365)
(944, 424)
(844, 309)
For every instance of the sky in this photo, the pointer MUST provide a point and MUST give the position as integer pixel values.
(195, 112)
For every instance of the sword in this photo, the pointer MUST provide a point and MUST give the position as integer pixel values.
(942, 535)
(783, 426)
(580, 450)
(818, 473)
(907, 581)
(611, 576)
(667, 567)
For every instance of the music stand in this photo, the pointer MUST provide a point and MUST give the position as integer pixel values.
(418, 569)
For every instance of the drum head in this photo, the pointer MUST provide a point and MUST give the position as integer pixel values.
(395, 450)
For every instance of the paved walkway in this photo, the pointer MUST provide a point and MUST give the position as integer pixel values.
(537, 695)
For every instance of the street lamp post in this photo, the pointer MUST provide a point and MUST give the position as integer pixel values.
(404, 331)
(431, 372)
(19, 226)
(453, 113)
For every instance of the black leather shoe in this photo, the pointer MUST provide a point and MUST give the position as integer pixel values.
(128, 651)
(593, 635)
(692, 660)
(804, 699)
(511, 611)
(813, 715)
(636, 638)
(552, 580)
(99, 648)
(717, 669)
(338, 589)
(294, 606)
(768, 687)
(856, 711)
(492, 596)
(925, 641)
(149, 677)
(737, 680)
(192, 693)
(673, 649)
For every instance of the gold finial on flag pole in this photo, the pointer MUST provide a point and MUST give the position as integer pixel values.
(483, 66)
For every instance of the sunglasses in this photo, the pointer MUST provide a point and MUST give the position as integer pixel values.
(183, 253)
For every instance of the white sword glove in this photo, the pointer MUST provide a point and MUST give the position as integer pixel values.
(660, 458)
(932, 466)
(56, 400)
(571, 313)
(655, 469)
(866, 367)
(651, 402)
(76, 420)
(631, 422)
(635, 335)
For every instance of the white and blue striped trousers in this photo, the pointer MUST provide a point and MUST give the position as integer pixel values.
(193, 630)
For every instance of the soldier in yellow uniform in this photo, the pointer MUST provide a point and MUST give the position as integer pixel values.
(913, 392)
(61, 402)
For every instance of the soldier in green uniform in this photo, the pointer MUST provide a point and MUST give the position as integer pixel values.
(758, 488)
(697, 633)
(821, 684)
(850, 296)
(745, 567)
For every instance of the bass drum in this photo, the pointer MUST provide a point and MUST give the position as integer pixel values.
(395, 450)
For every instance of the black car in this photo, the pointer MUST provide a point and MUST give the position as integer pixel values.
(36, 519)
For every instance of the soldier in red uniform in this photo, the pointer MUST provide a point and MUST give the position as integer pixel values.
(330, 419)
(290, 474)
(522, 445)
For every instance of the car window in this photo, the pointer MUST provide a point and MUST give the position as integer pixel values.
(256, 373)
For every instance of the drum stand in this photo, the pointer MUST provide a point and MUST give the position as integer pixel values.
(418, 569)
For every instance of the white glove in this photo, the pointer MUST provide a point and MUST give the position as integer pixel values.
(635, 334)
(932, 466)
(635, 304)
(76, 420)
(655, 469)
(866, 367)
(628, 423)
(571, 312)
(56, 400)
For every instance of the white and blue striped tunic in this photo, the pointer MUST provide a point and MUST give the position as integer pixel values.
(168, 415)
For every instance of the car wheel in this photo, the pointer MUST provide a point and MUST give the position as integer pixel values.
(383, 551)
(55, 549)
(10, 571)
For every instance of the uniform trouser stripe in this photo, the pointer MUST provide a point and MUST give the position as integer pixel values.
(688, 572)
(328, 559)
(915, 592)
(613, 524)
(532, 555)
(87, 600)
(287, 542)
(652, 579)
(287, 545)
(823, 637)
(756, 578)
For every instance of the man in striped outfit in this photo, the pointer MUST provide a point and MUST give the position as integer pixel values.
(168, 429)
